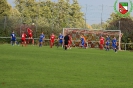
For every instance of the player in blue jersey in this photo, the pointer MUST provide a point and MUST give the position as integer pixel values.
(13, 38)
(42, 36)
(60, 40)
(114, 44)
(82, 41)
(107, 45)
(107, 38)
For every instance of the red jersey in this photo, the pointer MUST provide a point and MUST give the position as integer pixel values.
(52, 37)
(23, 36)
(29, 32)
(102, 40)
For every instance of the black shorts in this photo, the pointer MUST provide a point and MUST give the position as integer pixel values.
(66, 43)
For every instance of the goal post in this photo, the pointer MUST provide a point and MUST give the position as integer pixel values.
(93, 35)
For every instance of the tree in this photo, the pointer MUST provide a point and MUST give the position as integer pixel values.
(113, 17)
(96, 26)
(4, 8)
(13, 20)
(51, 16)
(28, 10)
(76, 18)
(125, 25)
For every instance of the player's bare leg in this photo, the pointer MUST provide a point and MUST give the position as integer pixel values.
(31, 38)
(51, 44)
(108, 48)
(28, 40)
(25, 43)
(69, 47)
(101, 46)
(66, 47)
(32, 41)
(22, 43)
(115, 50)
(40, 44)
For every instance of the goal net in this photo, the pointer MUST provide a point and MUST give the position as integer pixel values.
(92, 36)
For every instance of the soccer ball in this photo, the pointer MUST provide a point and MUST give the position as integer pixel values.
(33, 24)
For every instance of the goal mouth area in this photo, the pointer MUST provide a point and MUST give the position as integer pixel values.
(92, 36)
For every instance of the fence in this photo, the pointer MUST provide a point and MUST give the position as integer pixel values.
(19, 24)
(90, 44)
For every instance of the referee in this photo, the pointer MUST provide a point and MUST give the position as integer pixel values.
(66, 39)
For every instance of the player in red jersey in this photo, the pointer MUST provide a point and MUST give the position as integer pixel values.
(30, 35)
(101, 42)
(52, 37)
(70, 42)
(23, 38)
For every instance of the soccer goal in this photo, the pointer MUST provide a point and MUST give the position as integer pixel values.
(92, 36)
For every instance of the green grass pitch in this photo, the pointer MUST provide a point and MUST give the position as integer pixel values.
(34, 67)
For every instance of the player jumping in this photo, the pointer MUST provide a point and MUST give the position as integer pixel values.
(30, 35)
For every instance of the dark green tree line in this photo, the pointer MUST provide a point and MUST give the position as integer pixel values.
(48, 16)
(124, 24)
(5, 10)
(51, 16)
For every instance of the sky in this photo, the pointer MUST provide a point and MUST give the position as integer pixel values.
(95, 10)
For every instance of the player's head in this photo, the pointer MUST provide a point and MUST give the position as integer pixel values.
(52, 33)
(68, 34)
(12, 31)
(42, 33)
